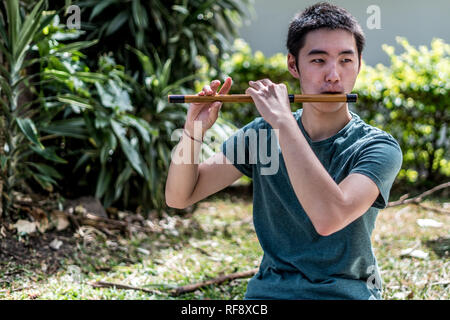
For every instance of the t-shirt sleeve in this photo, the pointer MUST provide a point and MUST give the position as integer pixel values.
(380, 160)
(236, 148)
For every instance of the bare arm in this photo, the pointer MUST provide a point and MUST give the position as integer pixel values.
(210, 176)
(184, 172)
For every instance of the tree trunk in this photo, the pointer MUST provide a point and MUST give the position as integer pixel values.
(2, 150)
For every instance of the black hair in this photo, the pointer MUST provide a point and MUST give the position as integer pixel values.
(322, 15)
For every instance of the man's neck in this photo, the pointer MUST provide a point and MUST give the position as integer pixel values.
(323, 125)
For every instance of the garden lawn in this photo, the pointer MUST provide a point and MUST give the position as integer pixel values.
(218, 238)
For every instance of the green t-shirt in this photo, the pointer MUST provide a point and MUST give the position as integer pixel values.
(298, 263)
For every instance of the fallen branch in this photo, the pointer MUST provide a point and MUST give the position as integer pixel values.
(17, 289)
(105, 223)
(439, 210)
(417, 199)
(218, 280)
(102, 284)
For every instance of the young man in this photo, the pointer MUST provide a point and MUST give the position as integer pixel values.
(314, 215)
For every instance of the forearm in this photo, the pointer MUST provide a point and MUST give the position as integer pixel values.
(183, 172)
(317, 192)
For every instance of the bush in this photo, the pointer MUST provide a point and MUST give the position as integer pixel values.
(408, 99)
(175, 30)
(23, 152)
(114, 150)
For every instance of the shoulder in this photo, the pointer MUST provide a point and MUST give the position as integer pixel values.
(369, 135)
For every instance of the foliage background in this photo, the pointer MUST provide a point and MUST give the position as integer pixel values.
(91, 109)
(409, 99)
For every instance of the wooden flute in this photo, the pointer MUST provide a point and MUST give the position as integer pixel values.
(351, 97)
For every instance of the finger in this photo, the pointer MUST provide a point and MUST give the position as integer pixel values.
(256, 84)
(214, 110)
(226, 86)
(251, 91)
(207, 90)
(266, 82)
(215, 85)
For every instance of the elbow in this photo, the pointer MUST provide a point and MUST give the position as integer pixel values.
(172, 201)
(174, 204)
(328, 226)
(332, 219)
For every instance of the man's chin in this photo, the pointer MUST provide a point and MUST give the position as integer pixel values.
(327, 107)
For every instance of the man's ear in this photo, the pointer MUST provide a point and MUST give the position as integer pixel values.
(292, 67)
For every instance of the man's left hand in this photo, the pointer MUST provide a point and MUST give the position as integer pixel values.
(271, 100)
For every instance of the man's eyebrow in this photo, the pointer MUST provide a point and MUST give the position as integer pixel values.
(319, 51)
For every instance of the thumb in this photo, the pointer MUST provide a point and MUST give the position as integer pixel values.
(215, 108)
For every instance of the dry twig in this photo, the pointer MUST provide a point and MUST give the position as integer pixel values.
(218, 280)
(103, 284)
(417, 199)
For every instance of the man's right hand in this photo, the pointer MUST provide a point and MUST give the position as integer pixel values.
(207, 112)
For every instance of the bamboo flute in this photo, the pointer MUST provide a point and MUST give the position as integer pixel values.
(352, 97)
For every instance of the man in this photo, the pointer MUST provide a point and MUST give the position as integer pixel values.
(314, 216)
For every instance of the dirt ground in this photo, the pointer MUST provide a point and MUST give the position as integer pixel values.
(34, 253)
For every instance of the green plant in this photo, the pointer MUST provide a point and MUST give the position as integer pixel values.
(23, 153)
(168, 119)
(101, 136)
(410, 99)
(115, 152)
(178, 30)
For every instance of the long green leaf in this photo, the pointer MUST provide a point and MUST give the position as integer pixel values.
(29, 129)
(76, 46)
(48, 153)
(145, 61)
(99, 8)
(45, 181)
(102, 182)
(74, 127)
(139, 124)
(117, 22)
(14, 21)
(121, 180)
(131, 153)
(84, 158)
(27, 31)
(75, 101)
(46, 170)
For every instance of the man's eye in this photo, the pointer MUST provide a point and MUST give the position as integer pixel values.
(346, 60)
(317, 61)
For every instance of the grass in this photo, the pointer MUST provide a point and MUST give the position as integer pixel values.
(218, 238)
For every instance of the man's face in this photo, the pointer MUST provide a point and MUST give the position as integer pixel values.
(328, 63)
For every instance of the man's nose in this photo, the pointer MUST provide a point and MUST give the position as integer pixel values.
(332, 74)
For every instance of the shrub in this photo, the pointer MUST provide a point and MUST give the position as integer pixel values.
(175, 30)
(115, 151)
(408, 99)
